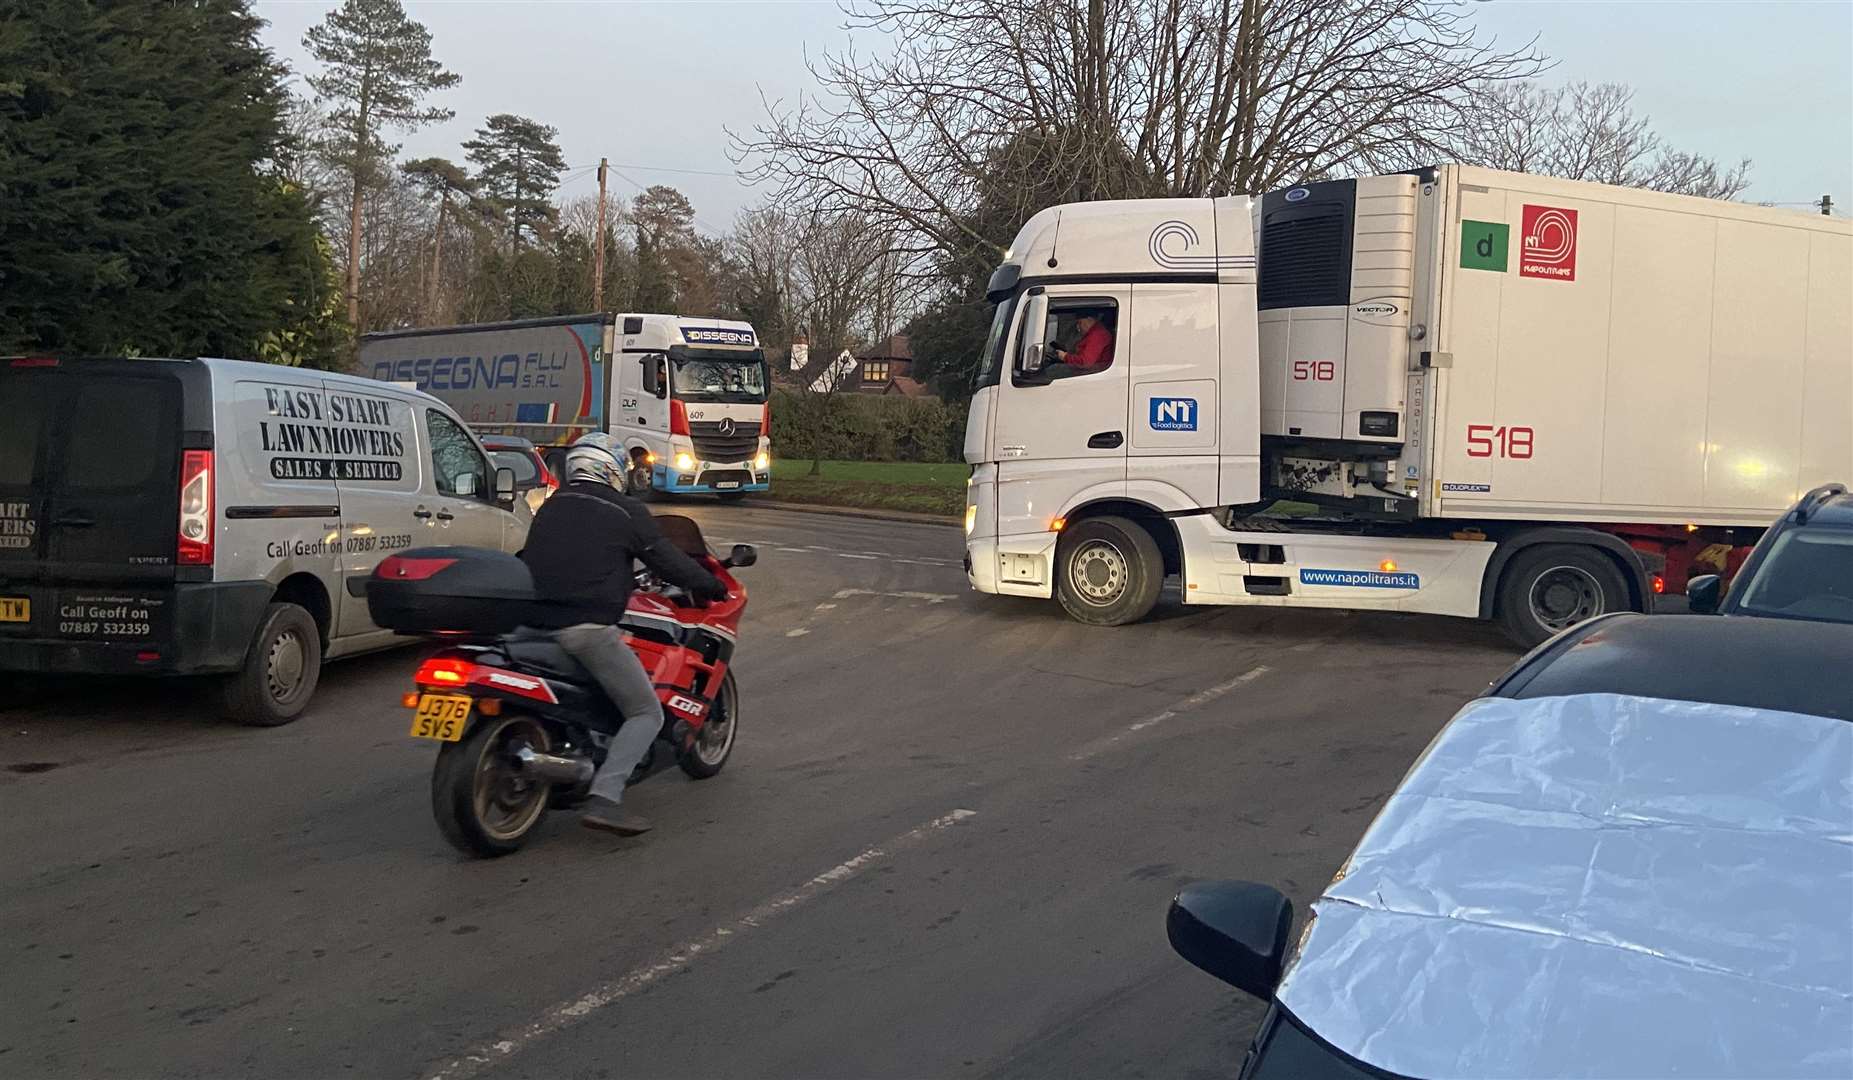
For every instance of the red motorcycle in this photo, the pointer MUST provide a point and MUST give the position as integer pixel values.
(524, 726)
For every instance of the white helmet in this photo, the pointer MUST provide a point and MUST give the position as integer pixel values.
(591, 458)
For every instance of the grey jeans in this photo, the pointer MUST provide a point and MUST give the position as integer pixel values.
(619, 673)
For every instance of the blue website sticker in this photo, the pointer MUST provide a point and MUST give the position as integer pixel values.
(1361, 579)
(1174, 414)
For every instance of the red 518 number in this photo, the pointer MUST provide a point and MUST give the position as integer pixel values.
(1485, 440)
(1313, 370)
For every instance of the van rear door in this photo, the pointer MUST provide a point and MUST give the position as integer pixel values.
(89, 499)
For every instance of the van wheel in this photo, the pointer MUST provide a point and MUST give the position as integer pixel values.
(1552, 587)
(280, 670)
(1108, 571)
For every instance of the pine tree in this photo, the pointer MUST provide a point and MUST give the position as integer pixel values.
(518, 165)
(449, 184)
(141, 210)
(378, 70)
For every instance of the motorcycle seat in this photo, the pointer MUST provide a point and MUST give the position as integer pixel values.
(545, 656)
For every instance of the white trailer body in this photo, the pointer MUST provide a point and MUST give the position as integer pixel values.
(1503, 391)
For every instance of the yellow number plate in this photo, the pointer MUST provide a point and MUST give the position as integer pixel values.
(15, 609)
(441, 717)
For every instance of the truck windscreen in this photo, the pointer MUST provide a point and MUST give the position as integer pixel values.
(718, 376)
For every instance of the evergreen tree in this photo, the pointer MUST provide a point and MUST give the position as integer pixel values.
(446, 182)
(378, 69)
(518, 165)
(140, 206)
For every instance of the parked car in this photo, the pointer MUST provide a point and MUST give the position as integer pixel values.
(1629, 858)
(213, 517)
(534, 481)
(1801, 569)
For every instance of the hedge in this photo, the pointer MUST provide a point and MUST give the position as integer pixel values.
(865, 427)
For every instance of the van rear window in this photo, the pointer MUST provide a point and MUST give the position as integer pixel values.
(20, 426)
(121, 435)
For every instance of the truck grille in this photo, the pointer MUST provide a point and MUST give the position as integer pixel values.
(1306, 247)
(711, 445)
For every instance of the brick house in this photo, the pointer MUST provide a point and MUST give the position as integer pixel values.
(887, 367)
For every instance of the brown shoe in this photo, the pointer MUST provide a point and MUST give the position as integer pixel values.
(607, 816)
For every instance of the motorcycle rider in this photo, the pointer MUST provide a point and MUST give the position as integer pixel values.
(580, 550)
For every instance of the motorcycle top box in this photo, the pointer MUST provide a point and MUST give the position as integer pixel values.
(450, 590)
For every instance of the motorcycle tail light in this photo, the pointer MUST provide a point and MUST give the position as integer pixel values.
(443, 671)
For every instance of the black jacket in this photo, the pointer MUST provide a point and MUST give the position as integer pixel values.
(580, 549)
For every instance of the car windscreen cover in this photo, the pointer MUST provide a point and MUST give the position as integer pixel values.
(1598, 885)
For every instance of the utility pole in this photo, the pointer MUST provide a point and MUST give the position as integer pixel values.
(598, 248)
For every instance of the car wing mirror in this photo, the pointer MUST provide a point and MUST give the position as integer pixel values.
(505, 487)
(741, 555)
(1704, 593)
(1235, 930)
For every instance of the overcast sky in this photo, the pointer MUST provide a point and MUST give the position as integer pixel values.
(651, 85)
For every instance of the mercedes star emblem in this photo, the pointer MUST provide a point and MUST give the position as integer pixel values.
(727, 426)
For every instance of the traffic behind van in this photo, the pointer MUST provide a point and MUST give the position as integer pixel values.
(204, 517)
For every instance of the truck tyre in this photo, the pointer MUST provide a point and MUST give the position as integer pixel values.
(637, 482)
(1108, 571)
(1552, 587)
(280, 670)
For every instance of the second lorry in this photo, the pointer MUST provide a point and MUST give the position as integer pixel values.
(1485, 394)
(687, 398)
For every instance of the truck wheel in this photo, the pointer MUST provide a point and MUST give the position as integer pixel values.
(637, 483)
(280, 670)
(1553, 587)
(1108, 571)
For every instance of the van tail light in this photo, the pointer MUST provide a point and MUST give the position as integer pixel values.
(547, 477)
(678, 418)
(196, 491)
(404, 568)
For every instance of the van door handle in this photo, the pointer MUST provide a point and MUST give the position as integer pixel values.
(1105, 440)
(446, 515)
(421, 512)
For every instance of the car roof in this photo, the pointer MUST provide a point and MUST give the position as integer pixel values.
(1597, 885)
(1829, 509)
(1790, 665)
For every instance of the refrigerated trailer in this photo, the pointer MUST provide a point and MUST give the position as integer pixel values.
(685, 398)
(1456, 391)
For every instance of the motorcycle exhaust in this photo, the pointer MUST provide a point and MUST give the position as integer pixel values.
(554, 769)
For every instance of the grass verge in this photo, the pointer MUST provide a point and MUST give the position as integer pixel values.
(874, 485)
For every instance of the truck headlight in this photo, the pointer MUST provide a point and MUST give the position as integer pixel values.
(762, 462)
(685, 462)
(971, 517)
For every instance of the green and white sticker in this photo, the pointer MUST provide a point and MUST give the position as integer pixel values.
(1483, 245)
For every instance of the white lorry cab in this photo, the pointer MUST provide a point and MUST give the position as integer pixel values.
(686, 397)
(1484, 394)
(692, 405)
(218, 517)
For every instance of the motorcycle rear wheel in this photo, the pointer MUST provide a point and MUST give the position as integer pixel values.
(483, 804)
(714, 742)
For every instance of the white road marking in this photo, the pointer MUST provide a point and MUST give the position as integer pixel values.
(568, 1013)
(794, 551)
(826, 607)
(799, 632)
(852, 555)
(929, 597)
(1201, 697)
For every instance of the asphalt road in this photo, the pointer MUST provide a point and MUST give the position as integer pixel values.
(943, 847)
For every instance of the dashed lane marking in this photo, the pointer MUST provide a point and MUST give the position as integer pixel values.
(929, 597)
(1201, 697)
(567, 1013)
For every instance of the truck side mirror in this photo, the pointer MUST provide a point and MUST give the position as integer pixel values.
(1035, 320)
(505, 488)
(662, 376)
(648, 363)
(1235, 930)
(1032, 358)
(1704, 593)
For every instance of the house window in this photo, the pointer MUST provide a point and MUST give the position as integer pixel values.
(875, 371)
